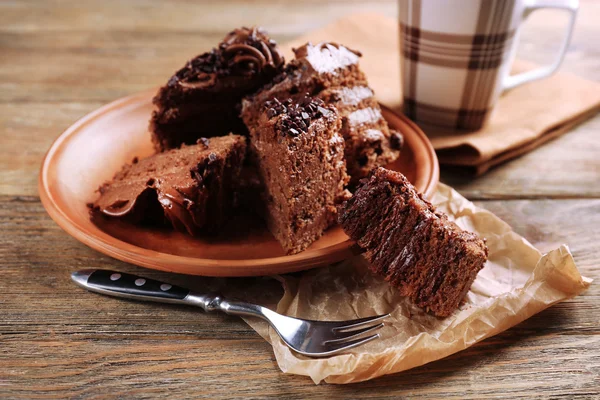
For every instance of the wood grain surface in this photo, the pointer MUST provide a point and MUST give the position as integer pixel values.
(62, 59)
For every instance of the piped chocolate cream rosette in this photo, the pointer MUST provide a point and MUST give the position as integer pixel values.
(243, 54)
(203, 98)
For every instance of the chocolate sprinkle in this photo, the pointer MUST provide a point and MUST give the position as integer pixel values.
(204, 141)
(396, 140)
(296, 116)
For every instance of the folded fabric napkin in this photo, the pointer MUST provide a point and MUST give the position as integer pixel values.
(523, 119)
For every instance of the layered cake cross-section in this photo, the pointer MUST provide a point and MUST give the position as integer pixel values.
(300, 156)
(415, 247)
(191, 188)
(331, 72)
(203, 98)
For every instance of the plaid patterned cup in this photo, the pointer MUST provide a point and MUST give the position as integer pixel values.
(456, 56)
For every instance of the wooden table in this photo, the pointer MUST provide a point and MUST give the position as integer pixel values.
(62, 59)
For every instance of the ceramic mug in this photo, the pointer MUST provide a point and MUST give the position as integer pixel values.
(456, 56)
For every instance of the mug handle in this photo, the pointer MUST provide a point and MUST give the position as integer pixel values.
(572, 6)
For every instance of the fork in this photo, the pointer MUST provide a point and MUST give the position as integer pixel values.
(307, 337)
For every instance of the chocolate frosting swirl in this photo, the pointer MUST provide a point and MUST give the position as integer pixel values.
(251, 50)
(244, 52)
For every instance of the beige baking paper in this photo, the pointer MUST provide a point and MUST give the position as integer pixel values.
(516, 283)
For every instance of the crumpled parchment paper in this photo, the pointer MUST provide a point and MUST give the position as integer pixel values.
(517, 282)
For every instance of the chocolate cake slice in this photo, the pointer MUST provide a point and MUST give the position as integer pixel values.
(203, 98)
(192, 188)
(414, 246)
(301, 162)
(331, 72)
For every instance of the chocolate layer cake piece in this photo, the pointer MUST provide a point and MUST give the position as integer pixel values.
(414, 246)
(203, 98)
(331, 72)
(301, 162)
(192, 187)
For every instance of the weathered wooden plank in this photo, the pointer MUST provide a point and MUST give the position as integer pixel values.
(514, 364)
(178, 15)
(57, 339)
(566, 167)
(94, 52)
(26, 132)
(62, 59)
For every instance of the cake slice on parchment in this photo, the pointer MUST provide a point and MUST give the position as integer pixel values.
(331, 72)
(192, 188)
(300, 157)
(414, 246)
(203, 98)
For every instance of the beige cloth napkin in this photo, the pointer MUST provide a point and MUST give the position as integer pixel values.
(524, 118)
(516, 283)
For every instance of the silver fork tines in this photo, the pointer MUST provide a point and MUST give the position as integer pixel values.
(344, 336)
(320, 338)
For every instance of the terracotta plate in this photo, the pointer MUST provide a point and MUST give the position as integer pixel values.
(95, 147)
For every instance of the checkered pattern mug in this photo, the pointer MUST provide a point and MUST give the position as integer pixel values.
(456, 56)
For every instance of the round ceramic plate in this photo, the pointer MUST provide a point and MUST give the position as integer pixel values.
(95, 147)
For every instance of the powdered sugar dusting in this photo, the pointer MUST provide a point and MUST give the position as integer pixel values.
(373, 135)
(364, 116)
(327, 58)
(353, 96)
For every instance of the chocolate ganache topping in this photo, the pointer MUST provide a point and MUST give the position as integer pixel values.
(244, 53)
(178, 196)
(179, 207)
(189, 188)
